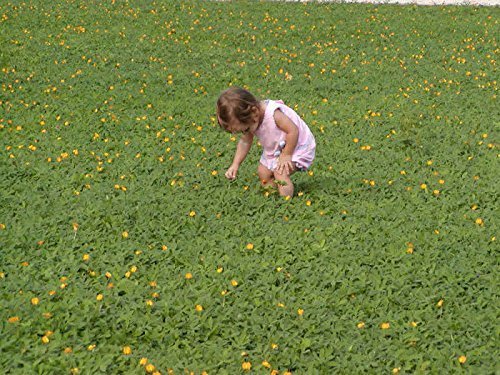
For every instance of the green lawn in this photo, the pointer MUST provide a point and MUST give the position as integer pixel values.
(121, 239)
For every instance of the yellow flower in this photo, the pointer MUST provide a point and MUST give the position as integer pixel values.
(385, 326)
(220, 269)
(300, 312)
(99, 297)
(91, 347)
(246, 366)
(249, 246)
(149, 302)
(143, 361)
(35, 301)
(266, 364)
(188, 276)
(234, 283)
(108, 275)
(462, 359)
(192, 213)
(199, 308)
(479, 221)
(68, 350)
(13, 319)
(396, 370)
(440, 303)
(423, 186)
(361, 325)
(86, 257)
(413, 324)
(45, 340)
(150, 368)
(125, 234)
(127, 350)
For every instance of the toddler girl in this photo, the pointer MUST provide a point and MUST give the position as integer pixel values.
(287, 142)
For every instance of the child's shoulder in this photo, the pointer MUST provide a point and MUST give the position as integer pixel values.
(273, 105)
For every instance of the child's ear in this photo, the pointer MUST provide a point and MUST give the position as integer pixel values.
(255, 109)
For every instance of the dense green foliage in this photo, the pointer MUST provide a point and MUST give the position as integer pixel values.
(120, 238)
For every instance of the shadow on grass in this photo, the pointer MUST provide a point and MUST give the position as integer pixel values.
(322, 184)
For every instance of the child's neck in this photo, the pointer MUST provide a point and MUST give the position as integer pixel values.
(260, 117)
(262, 112)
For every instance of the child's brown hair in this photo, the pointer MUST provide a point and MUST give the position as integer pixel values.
(235, 103)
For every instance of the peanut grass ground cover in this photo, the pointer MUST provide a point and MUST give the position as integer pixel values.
(123, 249)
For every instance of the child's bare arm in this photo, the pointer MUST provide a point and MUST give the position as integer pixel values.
(292, 136)
(242, 149)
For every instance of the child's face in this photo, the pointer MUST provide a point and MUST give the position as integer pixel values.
(235, 126)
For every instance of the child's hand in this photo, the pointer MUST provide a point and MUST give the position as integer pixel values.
(231, 172)
(285, 165)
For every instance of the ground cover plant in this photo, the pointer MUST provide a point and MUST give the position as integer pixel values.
(123, 249)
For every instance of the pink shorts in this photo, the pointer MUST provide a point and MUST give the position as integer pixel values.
(302, 158)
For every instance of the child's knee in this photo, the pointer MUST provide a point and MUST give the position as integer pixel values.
(282, 177)
(265, 175)
(284, 183)
(286, 189)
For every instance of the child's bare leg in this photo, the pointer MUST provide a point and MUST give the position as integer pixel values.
(286, 187)
(266, 176)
